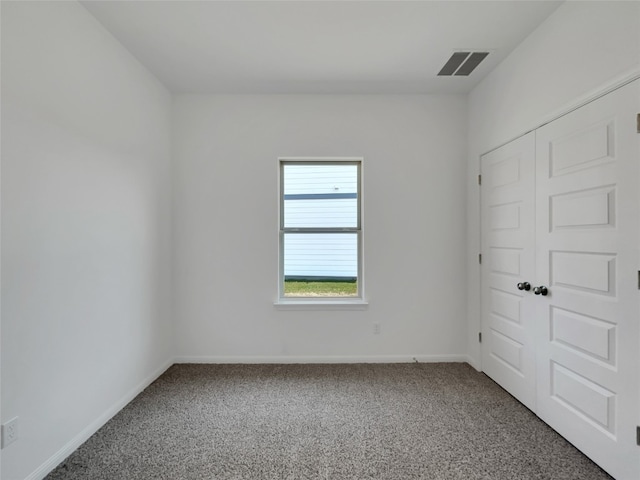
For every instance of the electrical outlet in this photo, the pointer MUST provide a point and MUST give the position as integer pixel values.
(9, 432)
(376, 328)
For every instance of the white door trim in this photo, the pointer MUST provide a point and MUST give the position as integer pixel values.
(614, 84)
(603, 89)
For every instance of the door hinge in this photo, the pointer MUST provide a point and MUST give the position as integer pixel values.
(479, 337)
(638, 123)
(638, 435)
(638, 279)
(480, 176)
(480, 259)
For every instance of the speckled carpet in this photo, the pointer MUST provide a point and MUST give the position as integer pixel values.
(294, 422)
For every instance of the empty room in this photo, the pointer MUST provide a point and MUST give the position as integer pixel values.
(320, 240)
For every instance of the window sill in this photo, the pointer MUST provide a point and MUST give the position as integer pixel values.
(325, 304)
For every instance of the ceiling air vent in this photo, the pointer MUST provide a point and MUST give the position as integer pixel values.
(462, 63)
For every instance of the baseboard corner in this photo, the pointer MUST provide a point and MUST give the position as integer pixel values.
(49, 465)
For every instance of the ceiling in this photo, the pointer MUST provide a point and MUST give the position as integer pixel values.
(316, 46)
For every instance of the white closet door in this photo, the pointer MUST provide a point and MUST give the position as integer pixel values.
(587, 257)
(507, 218)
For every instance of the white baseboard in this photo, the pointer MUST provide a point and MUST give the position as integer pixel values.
(474, 363)
(456, 358)
(46, 468)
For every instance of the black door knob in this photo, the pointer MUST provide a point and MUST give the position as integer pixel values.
(524, 286)
(541, 290)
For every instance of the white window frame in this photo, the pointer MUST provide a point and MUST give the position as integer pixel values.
(356, 302)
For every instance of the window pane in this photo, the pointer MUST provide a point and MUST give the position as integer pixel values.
(320, 195)
(328, 258)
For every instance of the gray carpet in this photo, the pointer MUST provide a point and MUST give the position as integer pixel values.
(366, 421)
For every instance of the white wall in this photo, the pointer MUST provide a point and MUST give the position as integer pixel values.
(580, 48)
(226, 241)
(86, 312)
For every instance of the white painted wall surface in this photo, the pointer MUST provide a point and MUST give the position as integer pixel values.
(86, 231)
(414, 225)
(581, 47)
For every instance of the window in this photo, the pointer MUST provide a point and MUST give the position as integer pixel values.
(320, 230)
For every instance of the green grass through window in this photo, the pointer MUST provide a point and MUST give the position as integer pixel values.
(298, 288)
